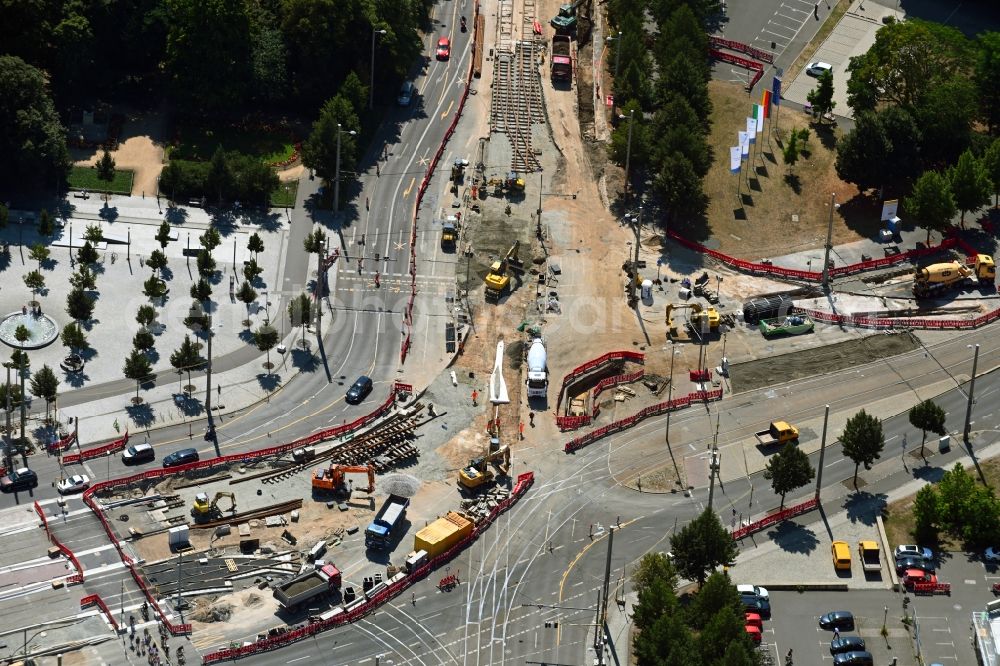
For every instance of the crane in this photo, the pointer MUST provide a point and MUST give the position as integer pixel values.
(498, 279)
(331, 479)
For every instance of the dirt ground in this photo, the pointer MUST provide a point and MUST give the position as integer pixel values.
(140, 149)
(779, 203)
(829, 358)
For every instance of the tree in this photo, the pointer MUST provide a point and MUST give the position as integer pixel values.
(246, 294)
(38, 253)
(787, 470)
(862, 441)
(4, 216)
(680, 187)
(991, 162)
(45, 226)
(79, 306)
(163, 234)
(862, 153)
(14, 391)
(654, 567)
(255, 244)
(74, 339)
(314, 242)
(143, 340)
(210, 239)
(821, 97)
(970, 184)
(93, 233)
(676, 128)
(22, 334)
(205, 262)
(717, 594)
(154, 288)
(927, 415)
(946, 116)
(20, 360)
(220, 178)
(34, 281)
(86, 254)
(319, 150)
(137, 368)
(266, 337)
(33, 142)
(931, 203)
(251, 270)
(790, 153)
(187, 357)
(145, 315)
(300, 312)
(926, 515)
(44, 384)
(83, 278)
(987, 79)
(270, 77)
(201, 290)
(157, 261)
(106, 167)
(701, 546)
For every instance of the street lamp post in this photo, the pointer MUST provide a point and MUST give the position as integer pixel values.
(371, 86)
(972, 390)
(628, 150)
(829, 243)
(336, 172)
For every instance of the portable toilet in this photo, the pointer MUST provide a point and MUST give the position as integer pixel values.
(646, 291)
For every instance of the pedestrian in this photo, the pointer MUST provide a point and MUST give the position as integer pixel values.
(816, 11)
(413, 598)
(366, 198)
(378, 172)
(531, 419)
(836, 633)
(520, 427)
(475, 396)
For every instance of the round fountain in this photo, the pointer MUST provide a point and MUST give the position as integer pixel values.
(43, 329)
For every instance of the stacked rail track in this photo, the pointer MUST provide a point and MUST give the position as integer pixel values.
(517, 101)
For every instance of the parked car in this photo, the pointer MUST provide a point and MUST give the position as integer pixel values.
(754, 633)
(843, 620)
(992, 554)
(443, 49)
(753, 620)
(361, 387)
(817, 68)
(847, 644)
(138, 453)
(913, 551)
(755, 604)
(905, 563)
(858, 658)
(753, 589)
(182, 457)
(406, 94)
(913, 576)
(74, 484)
(19, 479)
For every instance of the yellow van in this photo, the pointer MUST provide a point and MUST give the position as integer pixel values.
(841, 555)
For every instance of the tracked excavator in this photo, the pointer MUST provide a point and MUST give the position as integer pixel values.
(480, 471)
(331, 480)
(205, 509)
(498, 279)
(699, 315)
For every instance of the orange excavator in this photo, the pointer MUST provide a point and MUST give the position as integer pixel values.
(331, 479)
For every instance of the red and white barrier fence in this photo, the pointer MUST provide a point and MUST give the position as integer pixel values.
(775, 518)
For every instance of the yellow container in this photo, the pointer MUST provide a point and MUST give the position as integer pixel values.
(442, 534)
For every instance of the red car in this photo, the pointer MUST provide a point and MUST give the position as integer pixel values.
(444, 48)
(917, 576)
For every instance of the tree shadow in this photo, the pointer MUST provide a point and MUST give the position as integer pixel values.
(109, 213)
(188, 405)
(265, 219)
(49, 264)
(143, 415)
(166, 274)
(175, 215)
(863, 506)
(269, 381)
(246, 335)
(793, 538)
(928, 472)
(793, 181)
(826, 134)
(88, 354)
(862, 214)
(75, 379)
(153, 355)
(304, 359)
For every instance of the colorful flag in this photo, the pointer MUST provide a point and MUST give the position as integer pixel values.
(744, 144)
(758, 114)
(766, 103)
(735, 159)
(776, 91)
(117, 427)
(752, 130)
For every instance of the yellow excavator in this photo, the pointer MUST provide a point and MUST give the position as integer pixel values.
(699, 314)
(478, 473)
(498, 279)
(331, 479)
(205, 509)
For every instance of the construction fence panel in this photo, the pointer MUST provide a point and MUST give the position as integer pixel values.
(775, 518)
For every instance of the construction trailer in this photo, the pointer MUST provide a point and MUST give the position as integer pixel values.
(442, 534)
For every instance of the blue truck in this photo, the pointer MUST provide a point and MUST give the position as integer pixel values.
(382, 530)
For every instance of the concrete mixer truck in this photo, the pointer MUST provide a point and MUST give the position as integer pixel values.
(538, 371)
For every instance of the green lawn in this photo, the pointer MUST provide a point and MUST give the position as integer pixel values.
(200, 143)
(283, 196)
(85, 178)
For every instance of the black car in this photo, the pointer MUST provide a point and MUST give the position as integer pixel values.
(756, 604)
(21, 479)
(857, 658)
(904, 563)
(847, 644)
(842, 620)
(359, 390)
(182, 457)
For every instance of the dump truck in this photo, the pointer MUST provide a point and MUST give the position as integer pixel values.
(937, 278)
(381, 530)
(292, 593)
(562, 58)
(449, 232)
(538, 371)
(779, 432)
(868, 555)
(565, 20)
(442, 534)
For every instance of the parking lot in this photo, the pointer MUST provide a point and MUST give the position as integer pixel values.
(794, 625)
